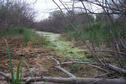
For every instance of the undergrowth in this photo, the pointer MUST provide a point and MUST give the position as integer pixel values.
(16, 79)
(98, 32)
(28, 35)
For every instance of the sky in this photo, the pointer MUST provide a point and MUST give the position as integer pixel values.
(44, 7)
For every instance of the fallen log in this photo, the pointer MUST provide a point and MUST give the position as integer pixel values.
(71, 80)
(116, 69)
(77, 80)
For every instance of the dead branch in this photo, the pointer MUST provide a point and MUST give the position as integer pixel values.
(77, 80)
(74, 62)
(117, 69)
(101, 5)
(87, 63)
(105, 74)
(5, 76)
(110, 51)
(62, 69)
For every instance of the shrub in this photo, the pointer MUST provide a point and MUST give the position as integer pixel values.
(28, 35)
(39, 41)
(19, 31)
(96, 31)
(68, 36)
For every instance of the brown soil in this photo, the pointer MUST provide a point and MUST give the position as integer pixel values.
(35, 58)
(38, 59)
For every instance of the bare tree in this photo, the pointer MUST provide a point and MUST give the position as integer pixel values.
(15, 13)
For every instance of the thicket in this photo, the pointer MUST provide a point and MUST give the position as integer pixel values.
(88, 31)
(16, 17)
(97, 30)
(58, 21)
(15, 13)
(82, 26)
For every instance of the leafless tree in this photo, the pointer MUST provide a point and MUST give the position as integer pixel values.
(15, 13)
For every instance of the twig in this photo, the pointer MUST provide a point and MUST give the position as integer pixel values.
(117, 69)
(5, 76)
(110, 51)
(58, 66)
(106, 74)
(87, 63)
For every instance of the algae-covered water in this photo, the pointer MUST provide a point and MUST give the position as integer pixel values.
(64, 48)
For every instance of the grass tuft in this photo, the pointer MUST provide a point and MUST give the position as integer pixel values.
(28, 35)
(18, 78)
(10, 64)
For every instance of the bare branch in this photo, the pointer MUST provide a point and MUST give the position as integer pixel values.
(5, 76)
(77, 80)
(62, 69)
(103, 75)
(117, 69)
(110, 51)
(87, 63)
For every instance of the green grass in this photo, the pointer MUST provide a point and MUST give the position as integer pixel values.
(19, 31)
(96, 31)
(68, 36)
(40, 41)
(18, 78)
(28, 35)
(10, 64)
(65, 49)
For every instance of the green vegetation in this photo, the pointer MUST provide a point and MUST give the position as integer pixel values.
(40, 41)
(19, 72)
(28, 35)
(64, 48)
(19, 31)
(67, 50)
(10, 64)
(18, 78)
(98, 32)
